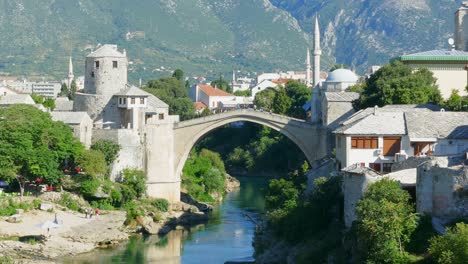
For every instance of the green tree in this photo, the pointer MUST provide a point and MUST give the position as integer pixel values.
(264, 99)
(281, 102)
(456, 102)
(178, 74)
(451, 247)
(245, 93)
(93, 163)
(73, 89)
(300, 95)
(385, 223)
(280, 200)
(64, 90)
(183, 107)
(33, 146)
(173, 92)
(46, 102)
(108, 148)
(136, 180)
(222, 84)
(397, 83)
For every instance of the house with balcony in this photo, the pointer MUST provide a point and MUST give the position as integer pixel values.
(378, 137)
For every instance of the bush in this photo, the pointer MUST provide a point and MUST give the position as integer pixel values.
(109, 149)
(136, 180)
(132, 212)
(213, 181)
(93, 162)
(67, 200)
(10, 208)
(452, 247)
(161, 204)
(89, 188)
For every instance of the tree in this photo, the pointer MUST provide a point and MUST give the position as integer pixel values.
(300, 95)
(93, 163)
(222, 84)
(46, 102)
(173, 92)
(136, 179)
(451, 247)
(64, 90)
(33, 146)
(386, 220)
(396, 83)
(245, 93)
(264, 99)
(108, 148)
(73, 89)
(178, 74)
(281, 102)
(183, 107)
(456, 102)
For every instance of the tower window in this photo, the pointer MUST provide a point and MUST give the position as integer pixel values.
(96, 64)
(114, 64)
(92, 74)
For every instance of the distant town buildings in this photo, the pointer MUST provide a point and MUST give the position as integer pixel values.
(216, 99)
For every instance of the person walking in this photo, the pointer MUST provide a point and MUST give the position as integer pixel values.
(97, 212)
(86, 212)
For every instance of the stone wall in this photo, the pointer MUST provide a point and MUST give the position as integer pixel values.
(442, 191)
(131, 154)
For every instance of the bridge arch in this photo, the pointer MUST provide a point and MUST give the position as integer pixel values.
(309, 138)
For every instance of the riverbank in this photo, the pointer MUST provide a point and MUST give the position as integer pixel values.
(29, 242)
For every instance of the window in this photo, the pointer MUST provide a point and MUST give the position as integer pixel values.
(391, 146)
(96, 64)
(114, 64)
(125, 100)
(161, 116)
(375, 166)
(92, 74)
(120, 100)
(132, 100)
(142, 100)
(387, 167)
(364, 142)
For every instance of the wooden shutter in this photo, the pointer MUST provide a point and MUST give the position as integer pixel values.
(391, 146)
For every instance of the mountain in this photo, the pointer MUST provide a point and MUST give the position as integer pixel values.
(203, 37)
(367, 32)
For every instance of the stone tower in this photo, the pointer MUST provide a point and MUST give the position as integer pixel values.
(71, 76)
(461, 27)
(105, 76)
(105, 71)
(315, 99)
(308, 69)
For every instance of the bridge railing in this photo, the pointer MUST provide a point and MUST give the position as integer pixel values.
(240, 112)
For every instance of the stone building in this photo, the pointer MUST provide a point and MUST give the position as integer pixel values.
(80, 122)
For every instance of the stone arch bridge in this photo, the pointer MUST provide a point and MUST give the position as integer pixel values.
(168, 146)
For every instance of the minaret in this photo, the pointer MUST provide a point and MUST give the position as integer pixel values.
(308, 69)
(315, 106)
(71, 76)
(317, 52)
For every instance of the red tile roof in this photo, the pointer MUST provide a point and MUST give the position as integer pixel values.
(199, 105)
(281, 81)
(211, 91)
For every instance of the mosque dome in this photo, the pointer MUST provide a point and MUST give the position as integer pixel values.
(342, 75)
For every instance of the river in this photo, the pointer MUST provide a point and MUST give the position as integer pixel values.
(227, 235)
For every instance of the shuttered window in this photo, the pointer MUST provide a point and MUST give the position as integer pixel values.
(391, 146)
(364, 142)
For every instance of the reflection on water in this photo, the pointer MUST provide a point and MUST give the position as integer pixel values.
(227, 235)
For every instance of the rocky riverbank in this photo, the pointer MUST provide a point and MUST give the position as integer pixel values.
(29, 242)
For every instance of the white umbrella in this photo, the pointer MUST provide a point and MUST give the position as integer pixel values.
(48, 225)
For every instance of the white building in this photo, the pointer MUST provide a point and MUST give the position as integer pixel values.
(265, 84)
(46, 89)
(377, 137)
(5, 90)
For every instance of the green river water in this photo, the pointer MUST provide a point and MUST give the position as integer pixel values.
(227, 235)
